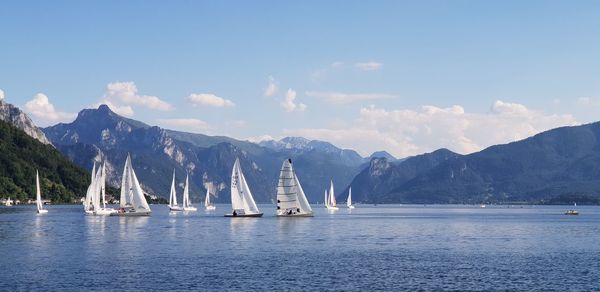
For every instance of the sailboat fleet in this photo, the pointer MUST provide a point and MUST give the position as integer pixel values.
(291, 199)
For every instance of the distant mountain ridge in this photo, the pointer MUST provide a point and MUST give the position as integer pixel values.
(100, 134)
(557, 166)
(13, 115)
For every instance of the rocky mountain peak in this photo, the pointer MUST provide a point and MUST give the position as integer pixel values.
(13, 115)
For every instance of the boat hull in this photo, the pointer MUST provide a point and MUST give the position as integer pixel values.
(131, 213)
(333, 208)
(211, 208)
(105, 212)
(244, 215)
(190, 209)
(350, 207)
(280, 215)
(43, 211)
(174, 209)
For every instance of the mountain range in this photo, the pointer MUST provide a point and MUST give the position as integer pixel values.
(557, 166)
(102, 135)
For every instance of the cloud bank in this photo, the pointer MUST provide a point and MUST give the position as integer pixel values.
(405, 132)
(44, 112)
(126, 94)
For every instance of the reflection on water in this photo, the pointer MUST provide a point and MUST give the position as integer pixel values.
(369, 248)
(242, 228)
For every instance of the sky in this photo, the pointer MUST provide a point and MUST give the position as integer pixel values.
(407, 77)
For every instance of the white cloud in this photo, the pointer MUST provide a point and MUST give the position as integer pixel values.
(408, 132)
(209, 100)
(189, 125)
(289, 104)
(1, 94)
(368, 66)
(126, 93)
(588, 101)
(44, 112)
(261, 138)
(271, 88)
(344, 98)
(501, 107)
(124, 110)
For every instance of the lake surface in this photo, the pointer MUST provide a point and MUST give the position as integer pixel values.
(368, 248)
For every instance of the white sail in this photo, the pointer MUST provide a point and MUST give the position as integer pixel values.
(126, 185)
(207, 198)
(103, 185)
(349, 201)
(97, 190)
(326, 200)
(332, 201)
(132, 195)
(241, 196)
(173, 194)
(304, 205)
(186, 193)
(38, 195)
(87, 204)
(290, 196)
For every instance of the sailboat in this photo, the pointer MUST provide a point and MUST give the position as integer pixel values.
(331, 203)
(291, 200)
(100, 193)
(87, 204)
(38, 198)
(572, 211)
(208, 205)
(132, 202)
(173, 196)
(326, 200)
(187, 206)
(349, 200)
(242, 202)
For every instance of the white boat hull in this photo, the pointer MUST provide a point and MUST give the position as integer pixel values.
(332, 208)
(175, 209)
(210, 208)
(89, 212)
(131, 213)
(293, 214)
(350, 207)
(105, 212)
(42, 211)
(190, 209)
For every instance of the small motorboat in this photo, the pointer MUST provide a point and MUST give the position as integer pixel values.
(572, 212)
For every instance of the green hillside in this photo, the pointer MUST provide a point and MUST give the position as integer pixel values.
(20, 156)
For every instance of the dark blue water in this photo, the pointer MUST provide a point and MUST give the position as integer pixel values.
(370, 248)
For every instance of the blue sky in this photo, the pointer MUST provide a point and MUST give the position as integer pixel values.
(406, 77)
